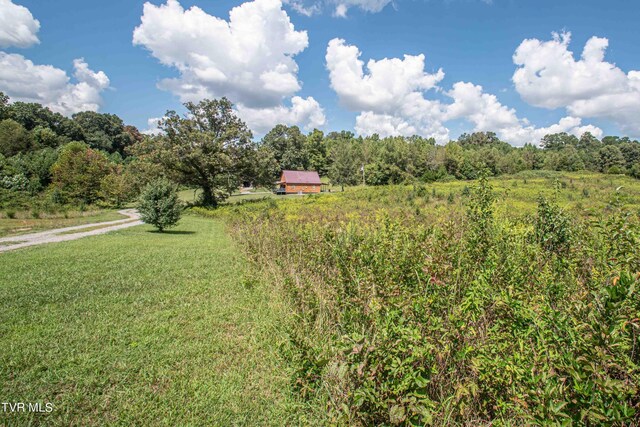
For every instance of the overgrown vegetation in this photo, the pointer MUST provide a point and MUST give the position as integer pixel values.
(514, 303)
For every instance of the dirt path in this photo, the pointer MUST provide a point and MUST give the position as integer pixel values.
(63, 234)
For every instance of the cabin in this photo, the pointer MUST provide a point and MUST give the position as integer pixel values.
(299, 182)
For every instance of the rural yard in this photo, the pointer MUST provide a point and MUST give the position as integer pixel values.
(202, 324)
(319, 213)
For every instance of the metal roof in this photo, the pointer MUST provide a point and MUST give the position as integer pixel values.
(301, 177)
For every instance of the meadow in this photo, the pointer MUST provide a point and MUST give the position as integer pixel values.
(508, 301)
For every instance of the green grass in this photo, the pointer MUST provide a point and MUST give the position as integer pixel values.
(23, 224)
(188, 195)
(136, 327)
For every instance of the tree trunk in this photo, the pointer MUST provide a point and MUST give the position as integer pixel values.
(208, 198)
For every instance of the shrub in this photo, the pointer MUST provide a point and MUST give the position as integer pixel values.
(480, 216)
(17, 182)
(11, 214)
(552, 227)
(159, 204)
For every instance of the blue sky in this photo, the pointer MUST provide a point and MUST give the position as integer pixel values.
(472, 41)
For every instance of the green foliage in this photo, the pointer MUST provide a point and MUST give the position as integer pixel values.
(17, 182)
(458, 315)
(611, 159)
(36, 166)
(345, 162)
(106, 132)
(14, 138)
(209, 148)
(78, 173)
(159, 204)
(480, 219)
(117, 188)
(552, 227)
(288, 145)
(4, 106)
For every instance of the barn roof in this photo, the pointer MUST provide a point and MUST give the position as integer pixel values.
(301, 177)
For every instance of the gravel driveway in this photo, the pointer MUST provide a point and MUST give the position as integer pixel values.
(52, 236)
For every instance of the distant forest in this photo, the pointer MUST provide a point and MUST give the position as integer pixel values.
(95, 158)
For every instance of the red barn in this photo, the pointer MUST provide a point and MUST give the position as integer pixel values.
(292, 182)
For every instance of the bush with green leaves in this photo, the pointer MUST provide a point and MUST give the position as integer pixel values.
(159, 204)
(552, 227)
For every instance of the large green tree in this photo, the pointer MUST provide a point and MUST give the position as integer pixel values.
(345, 163)
(209, 147)
(289, 147)
(558, 141)
(611, 159)
(317, 152)
(78, 173)
(106, 131)
(14, 138)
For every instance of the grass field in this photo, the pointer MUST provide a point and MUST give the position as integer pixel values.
(142, 328)
(25, 223)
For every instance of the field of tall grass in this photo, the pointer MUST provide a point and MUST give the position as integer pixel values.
(506, 302)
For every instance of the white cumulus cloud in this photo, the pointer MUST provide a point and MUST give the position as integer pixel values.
(486, 113)
(18, 28)
(153, 126)
(23, 80)
(549, 76)
(387, 83)
(303, 111)
(249, 58)
(391, 97)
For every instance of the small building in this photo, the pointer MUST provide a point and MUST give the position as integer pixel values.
(292, 182)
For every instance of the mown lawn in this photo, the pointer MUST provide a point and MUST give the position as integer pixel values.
(140, 328)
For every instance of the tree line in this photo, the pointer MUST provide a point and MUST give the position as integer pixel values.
(95, 158)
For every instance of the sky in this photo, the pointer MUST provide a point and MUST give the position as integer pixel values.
(435, 68)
